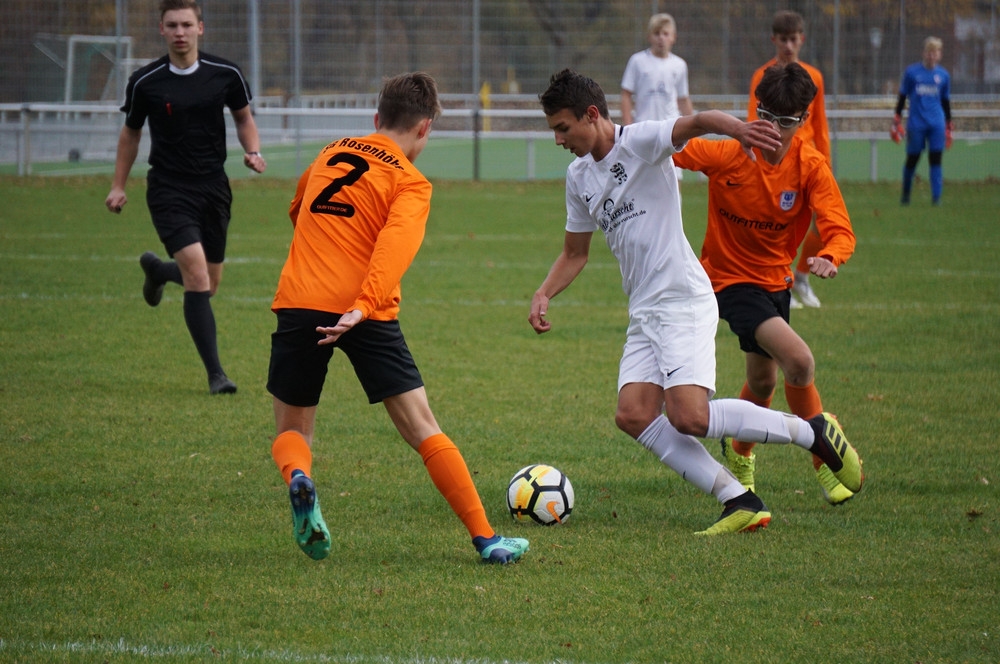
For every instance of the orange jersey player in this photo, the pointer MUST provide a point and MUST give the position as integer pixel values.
(788, 35)
(814, 130)
(359, 213)
(366, 185)
(759, 210)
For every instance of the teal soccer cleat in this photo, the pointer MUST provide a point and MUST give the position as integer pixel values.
(501, 550)
(311, 532)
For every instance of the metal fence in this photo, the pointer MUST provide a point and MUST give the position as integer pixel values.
(315, 65)
(59, 138)
(82, 50)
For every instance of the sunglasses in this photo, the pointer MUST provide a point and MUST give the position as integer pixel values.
(784, 121)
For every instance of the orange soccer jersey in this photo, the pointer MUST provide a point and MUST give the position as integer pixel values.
(758, 213)
(360, 211)
(814, 130)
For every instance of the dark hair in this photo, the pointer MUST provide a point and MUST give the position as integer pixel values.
(574, 91)
(786, 89)
(407, 99)
(787, 23)
(171, 5)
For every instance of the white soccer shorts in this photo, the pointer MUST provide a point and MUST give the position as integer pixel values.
(673, 345)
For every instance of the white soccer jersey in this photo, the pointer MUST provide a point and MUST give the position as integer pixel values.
(656, 84)
(632, 196)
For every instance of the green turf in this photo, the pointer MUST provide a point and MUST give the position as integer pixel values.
(141, 519)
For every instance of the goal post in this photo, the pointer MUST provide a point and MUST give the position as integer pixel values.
(114, 55)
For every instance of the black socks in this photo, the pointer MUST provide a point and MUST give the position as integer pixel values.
(201, 324)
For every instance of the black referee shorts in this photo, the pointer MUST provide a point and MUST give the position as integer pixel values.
(745, 307)
(188, 211)
(376, 349)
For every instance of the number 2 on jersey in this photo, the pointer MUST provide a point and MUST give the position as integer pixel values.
(324, 203)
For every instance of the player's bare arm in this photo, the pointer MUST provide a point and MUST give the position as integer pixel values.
(576, 249)
(246, 132)
(128, 150)
(626, 106)
(756, 134)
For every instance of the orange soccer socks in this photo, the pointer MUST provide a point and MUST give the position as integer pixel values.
(451, 477)
(805, 402)
(291, 452)
(740, 447)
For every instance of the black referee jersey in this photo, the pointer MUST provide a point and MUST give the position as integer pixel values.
(186, 122)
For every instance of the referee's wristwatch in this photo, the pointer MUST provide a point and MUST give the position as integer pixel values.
(254, 153)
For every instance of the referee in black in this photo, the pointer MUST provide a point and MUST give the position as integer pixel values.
(183, 95)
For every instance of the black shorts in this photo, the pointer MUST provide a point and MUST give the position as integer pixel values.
(745, 307)
(376, 349)
(188, 211)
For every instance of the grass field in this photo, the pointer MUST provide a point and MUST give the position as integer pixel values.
(141, 519)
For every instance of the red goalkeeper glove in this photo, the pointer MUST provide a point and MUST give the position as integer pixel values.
(948, 128)
(897, 132)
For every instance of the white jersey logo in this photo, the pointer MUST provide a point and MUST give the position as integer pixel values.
(787, 200)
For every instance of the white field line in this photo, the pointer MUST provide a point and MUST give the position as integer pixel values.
(265, 301)
(261, 260)
(562, 302)
(485, 264)
(121, 647)
(541, 268)
(509, 238)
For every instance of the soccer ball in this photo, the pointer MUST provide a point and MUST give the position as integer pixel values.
(540, 493)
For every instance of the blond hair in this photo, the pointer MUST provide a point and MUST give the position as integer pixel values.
(933, 44)
(659, 21)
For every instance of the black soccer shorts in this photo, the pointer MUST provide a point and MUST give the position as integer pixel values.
(746, 306)
(376, 349)
(188, 211)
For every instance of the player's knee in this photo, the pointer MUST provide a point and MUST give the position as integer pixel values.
(633, 420)
(762, 385)
(800, 370)
(627, 422)
(934, 158)
(912, 159)
(689, 422)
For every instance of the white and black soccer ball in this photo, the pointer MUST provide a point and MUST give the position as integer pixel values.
(540, 493)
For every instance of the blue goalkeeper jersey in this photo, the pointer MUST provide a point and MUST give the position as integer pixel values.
(925, 89)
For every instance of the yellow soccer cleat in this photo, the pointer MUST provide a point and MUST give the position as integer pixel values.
(743, 514)
(740, 466)
(832, 447)
(834, 492)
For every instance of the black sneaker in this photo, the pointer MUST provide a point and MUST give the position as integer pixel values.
(220, 384)
(152, 290)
